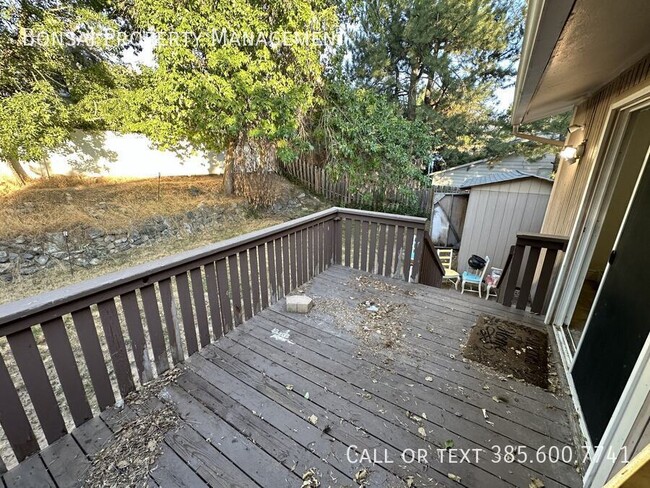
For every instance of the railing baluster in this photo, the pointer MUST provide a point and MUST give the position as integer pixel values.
(136, 333)
(235, 290)
(264, 275)
(285, 266)
(199, 305)
(154, 325)
(544, 281)
(92, 351)
(58, 345)
(364, 245)
(390, 250)
(185, 299)
(357, 244)
(372, 265)
(275, 270)
(213, 299)
(381, 249)
(399, 259)
(529, 275)
(347, 251)
(13, 418)
(513, 275)
(255, 280)
(115, 341)
(171, 320)
(408, 253)
(293, 252)
(224, 296)
(31, 367)
(245, 284)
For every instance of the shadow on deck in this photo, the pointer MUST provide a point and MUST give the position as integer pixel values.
(286, 393)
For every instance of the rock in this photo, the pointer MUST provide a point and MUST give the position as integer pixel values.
(4, 256)
(299, 304)
(94, 233)
(94, 262)
(42, 259)
(20, 240)
(28, 256)
(28, 271)
(5, 268)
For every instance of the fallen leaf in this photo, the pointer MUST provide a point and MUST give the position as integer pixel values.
(361, 476)
(410, 482)
(313, 419)
(289, 387)
(496, 399)
(307, 396)
(449, 444)
(422, 431)
(428, 378)
(536, 483)
(453, 477)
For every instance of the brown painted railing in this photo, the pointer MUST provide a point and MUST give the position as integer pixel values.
(530, 246)
(155, 315)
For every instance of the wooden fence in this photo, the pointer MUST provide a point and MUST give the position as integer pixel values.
(525, 256)
(418, 200)
(155, 315)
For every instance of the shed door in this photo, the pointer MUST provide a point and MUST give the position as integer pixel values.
(620, 318)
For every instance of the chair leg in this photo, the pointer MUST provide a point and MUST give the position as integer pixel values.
(487, 293)
(462, 288)
(456, 283)
(479, 290)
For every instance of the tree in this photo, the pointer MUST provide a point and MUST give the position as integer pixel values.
(51, 75)
(364, 136)
(215, 89)
(441, 60)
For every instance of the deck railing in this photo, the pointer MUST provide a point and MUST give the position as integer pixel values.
(56, 364)
(526, 255)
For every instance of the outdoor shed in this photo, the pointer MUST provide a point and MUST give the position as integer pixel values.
(501, 205)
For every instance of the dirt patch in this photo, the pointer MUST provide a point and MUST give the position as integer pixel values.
(510, 348)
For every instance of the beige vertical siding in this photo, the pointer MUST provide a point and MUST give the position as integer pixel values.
(496, 213)
(571, 179)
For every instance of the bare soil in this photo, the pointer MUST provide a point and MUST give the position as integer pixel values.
(510, 348)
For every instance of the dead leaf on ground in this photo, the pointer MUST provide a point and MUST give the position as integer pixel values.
(536, 483)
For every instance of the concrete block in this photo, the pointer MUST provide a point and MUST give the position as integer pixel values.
(299, 303)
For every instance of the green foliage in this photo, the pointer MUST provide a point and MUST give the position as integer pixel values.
(213, 93)
(441, 60)
(48, 83)
(364, 136)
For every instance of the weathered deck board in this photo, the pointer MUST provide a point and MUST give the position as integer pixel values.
(245, 403)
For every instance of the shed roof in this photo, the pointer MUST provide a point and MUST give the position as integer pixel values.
(501, 178)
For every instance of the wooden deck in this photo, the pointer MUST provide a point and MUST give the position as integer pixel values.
(241, 424)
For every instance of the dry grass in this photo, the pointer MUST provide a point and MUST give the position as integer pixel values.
(109, 204)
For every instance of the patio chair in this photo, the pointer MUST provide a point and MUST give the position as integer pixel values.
(491, 282)
(446, 256)
(474, 278)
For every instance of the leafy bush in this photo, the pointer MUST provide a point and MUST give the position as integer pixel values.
(365, 137)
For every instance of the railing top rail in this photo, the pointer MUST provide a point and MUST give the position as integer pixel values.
(531, 236)
(15, 316)
(381, 215)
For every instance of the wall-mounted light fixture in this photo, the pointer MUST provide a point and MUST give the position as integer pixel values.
(573, 153)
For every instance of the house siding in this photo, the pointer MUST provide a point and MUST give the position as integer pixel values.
(571, 179)
(496, 213)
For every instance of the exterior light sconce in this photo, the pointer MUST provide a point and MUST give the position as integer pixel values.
(572, 154)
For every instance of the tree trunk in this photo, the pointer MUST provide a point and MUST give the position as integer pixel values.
(229, 170)
(19, 170)
(413, 93)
